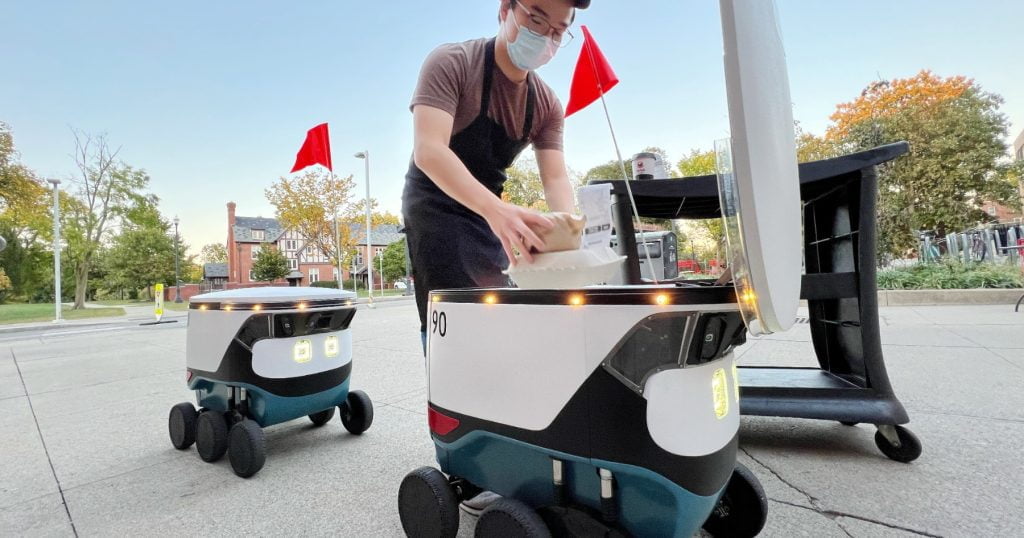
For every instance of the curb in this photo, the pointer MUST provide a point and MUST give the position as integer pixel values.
(949, 297)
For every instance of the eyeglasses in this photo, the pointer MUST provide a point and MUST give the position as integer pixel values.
(542, 26)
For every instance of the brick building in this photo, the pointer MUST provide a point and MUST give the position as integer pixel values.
(247, 235)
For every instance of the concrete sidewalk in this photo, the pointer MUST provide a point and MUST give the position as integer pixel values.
(85, 448)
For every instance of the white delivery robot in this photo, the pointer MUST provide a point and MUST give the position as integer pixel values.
(613, 410)
(262, 356)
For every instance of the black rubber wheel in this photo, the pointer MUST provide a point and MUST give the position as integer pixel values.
(427, 505)
(321, 418)
(909, 449)
(211, 436)
(743, 508)
(844, 423)
(181, 424)
(509, 518)
(357, 412)
(247, 450)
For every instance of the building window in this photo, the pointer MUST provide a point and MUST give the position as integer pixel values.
(378, 251)
(359, 258)
(314, 275)
(991, 210)
(258, 235)
(309, 250)
(291, 244)
(251, 279)
(293, 264)
(255, 251)
(335, 274)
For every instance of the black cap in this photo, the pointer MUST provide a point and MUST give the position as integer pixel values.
(582, 4)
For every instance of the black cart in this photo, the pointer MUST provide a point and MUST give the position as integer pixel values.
(851, 384)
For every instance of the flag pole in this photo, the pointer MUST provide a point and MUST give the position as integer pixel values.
(618, 154)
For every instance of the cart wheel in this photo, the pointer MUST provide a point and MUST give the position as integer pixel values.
(357, 412)
(909, 449)
(510, 518)
(427, 505)
(844, 423)
(211, 436)
(323, 417)
(182, 425)
(743, 508)
(248, 449)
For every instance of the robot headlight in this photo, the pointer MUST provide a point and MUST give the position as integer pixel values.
(303, 351)
(331, 346)
(720, 393)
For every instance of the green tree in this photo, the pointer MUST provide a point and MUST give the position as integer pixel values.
(393, 259)
(957, 158)
(107, 190)
(214, 253)
(270, 264)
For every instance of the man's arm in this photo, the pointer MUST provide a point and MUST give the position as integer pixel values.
(432, 154)
(557, 188)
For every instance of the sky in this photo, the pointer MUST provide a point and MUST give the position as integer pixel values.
(213, 99)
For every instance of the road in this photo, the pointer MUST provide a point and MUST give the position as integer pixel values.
(84, 448)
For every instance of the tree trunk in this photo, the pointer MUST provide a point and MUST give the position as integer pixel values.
(81, 284)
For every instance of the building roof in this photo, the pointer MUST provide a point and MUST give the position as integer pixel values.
(245, 225)
(385, 234)
(215, 270)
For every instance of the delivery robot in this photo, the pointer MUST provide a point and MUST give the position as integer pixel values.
(262, 356)
(613, 410)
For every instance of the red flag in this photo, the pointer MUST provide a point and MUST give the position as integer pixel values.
(593, 76)
(315, 150)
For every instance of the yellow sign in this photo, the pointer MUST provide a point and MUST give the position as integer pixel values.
(159, 301)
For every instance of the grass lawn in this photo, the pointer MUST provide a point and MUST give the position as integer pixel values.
(26, 313)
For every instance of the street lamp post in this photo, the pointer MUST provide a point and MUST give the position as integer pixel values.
(177, 279)
(365, 155)
(56, 248)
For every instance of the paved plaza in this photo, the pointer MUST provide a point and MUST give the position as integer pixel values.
(84, 447)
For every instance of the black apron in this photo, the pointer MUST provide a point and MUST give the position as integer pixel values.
(450, 246)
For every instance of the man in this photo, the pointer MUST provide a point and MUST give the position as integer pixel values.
(477, 105)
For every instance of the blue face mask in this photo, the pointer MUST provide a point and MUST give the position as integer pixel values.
(530, 50)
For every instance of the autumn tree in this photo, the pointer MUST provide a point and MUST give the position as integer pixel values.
(957, 154)
(106, 189)
(25, 221)
(269, 265)
(308, 203)
(214, 253)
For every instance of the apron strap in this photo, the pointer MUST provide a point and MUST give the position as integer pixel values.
(485, 98)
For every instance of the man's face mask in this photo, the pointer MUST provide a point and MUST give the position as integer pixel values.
(530, 50)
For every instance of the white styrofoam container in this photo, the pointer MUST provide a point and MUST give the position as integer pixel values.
(567, 269)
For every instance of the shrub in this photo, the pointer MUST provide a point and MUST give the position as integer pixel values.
(951, 274)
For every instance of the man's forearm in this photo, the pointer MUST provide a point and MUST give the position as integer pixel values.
(558, 194)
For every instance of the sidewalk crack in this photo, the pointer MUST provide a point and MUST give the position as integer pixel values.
(42, 440)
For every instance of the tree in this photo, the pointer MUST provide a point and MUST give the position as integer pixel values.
(697, 163)
(270, 264)
(523, 186)
(957, 158)
(308, 202)
(140, 257)
(394, 261)
(107, 190)
(214, 253)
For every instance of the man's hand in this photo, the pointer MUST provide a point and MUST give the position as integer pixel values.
(514, 226)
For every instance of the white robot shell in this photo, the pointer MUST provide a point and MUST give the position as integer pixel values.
(216, 318)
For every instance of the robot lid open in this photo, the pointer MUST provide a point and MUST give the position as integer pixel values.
(759, 184)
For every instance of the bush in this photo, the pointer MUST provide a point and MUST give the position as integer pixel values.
(950, 274)
(345, 284)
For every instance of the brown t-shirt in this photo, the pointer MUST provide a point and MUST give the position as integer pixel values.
(452, 80)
